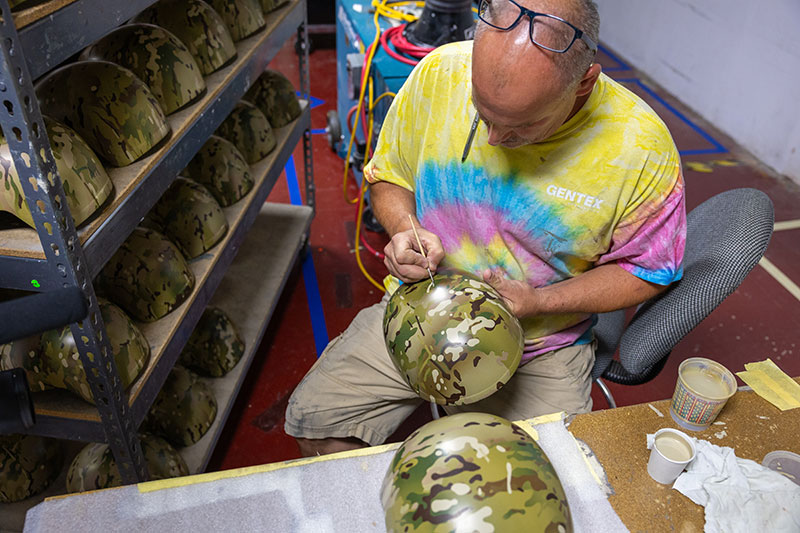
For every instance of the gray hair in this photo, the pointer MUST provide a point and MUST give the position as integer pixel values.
(578, 58)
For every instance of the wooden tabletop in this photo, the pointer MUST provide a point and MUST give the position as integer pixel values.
(749, 424)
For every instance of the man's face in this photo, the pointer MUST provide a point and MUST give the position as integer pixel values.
(519, 90)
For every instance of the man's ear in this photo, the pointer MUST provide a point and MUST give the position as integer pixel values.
(589, 79)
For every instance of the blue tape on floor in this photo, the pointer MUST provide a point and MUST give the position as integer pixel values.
(318, 325)
(718, 148)
(313, 100)
(621, 64)
(318, 131)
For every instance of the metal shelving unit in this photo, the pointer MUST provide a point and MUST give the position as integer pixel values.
(56, 255)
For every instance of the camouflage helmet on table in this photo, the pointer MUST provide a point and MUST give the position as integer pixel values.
(242, 17)
(249, 130)
(455, 343)
(85, 182)
(222, 169)
(275, 96)
(94, 467)
(478, 469)
(215, 346)
(112, 109)
(130, 348)
(198, 26)
(158, 58)
(183, 410)
(190, 216)
(28, 465)
(147, 276)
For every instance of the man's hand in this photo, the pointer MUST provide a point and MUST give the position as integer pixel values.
(404, 259)
(520, 297)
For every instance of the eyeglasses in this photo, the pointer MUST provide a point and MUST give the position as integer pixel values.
(546, 31)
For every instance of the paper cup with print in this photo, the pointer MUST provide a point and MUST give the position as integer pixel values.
(701, 392)
(672, 450)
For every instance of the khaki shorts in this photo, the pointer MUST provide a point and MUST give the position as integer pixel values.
(354, 389)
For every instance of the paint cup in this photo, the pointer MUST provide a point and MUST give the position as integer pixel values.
(785, 463)
(701, 392)
(672, 451)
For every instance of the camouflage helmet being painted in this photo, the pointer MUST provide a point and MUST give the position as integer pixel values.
(183, 410)
(456, 342)
(158, 58)
(147, 276)
(130, 348)
(85, 182)
(28, 465)
(94, 467)
(275, 96)
(214, 347)
(242, 17)
(249, 130)
(198, 26)
(476, 471)
(190, 216)
(112, 109)
(222, 169)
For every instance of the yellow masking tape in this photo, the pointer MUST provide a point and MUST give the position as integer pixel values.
(150, 486)
(772, 384)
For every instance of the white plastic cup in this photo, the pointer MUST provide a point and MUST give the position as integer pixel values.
(672, 451)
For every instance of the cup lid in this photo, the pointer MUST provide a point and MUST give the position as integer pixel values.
(784, 462)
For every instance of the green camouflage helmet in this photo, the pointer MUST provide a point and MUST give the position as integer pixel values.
(147, 276)
(456, 342)
(272, 5)
(190, 217)
(28, 464)
(158, 58)
(473, 472)
(94, 467)
(215, 346)
(273, 94)
(86, 184)
(130, 348)
(112, 109)
(26, 354)
(250, 131)
(198, 26)
(242, 17)
(222, 169)
(183, 410)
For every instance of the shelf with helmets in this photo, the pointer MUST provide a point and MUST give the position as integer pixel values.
(112, 211)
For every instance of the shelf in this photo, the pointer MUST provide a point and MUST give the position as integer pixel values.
(61, 414)
(248, 294)
(52, 31)
(140, 185)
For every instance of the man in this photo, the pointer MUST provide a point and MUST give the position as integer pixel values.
(565, 194)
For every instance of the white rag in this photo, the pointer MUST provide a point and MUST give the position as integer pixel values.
(739, 494)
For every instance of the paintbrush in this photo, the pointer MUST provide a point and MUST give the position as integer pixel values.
(421, 249)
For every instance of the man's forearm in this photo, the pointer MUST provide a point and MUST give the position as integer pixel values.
(391, 205)
(599, 290)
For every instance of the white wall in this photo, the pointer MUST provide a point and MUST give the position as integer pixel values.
(734, 62)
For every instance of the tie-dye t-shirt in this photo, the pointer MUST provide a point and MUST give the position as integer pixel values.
(606, 187)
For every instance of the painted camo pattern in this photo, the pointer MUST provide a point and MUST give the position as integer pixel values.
(250, 131)
(275, 96)
(222, 169)
(28, 465)
(215, 346)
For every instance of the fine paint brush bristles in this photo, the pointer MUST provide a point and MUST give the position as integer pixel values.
(419, 243)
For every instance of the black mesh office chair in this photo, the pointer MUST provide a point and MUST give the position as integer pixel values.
(726, 236)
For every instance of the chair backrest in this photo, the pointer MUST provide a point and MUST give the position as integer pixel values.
(726, 237)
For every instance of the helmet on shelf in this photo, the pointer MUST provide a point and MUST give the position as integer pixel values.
(147, 276)
(112, 109)
(455, 342)
(242, 17)
(476, 471)
(215, 346)
(94, 467)
(249, 130)
(158, 58)
(198, 26)
(28, 465)
(183, 410)
(130, 348)
(85, 182)
(273, 94)
(222, 169)
(190, 217)
(272, 5)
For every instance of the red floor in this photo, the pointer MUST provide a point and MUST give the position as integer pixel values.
(761, 319)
